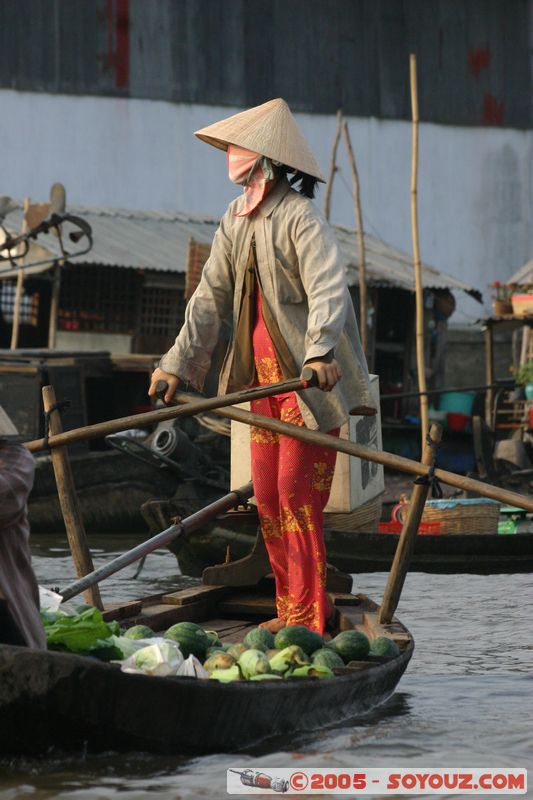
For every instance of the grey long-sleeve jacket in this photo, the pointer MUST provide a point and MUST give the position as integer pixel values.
(303, 280)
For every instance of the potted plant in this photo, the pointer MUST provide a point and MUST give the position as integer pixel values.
(524, 377)
(501, 300)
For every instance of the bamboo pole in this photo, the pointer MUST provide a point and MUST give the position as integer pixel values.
(184, 527)
(360, 239)
(201, 404)
(54, 305)
(332, 166)
(390, 460)
(20, 284)
(420, 354)
(68, 501)
(404, 549)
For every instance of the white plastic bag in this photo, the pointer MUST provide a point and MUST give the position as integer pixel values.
(49, 600)
(161, 658)
(192, 668)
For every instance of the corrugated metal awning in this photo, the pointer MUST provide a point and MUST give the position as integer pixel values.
(159, 240)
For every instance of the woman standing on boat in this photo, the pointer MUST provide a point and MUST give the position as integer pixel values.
(275, 264)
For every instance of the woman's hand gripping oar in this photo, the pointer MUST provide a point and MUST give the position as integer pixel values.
(191, 523)
(197, 405)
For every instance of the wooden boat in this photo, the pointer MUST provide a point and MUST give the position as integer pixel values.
(56, 699)
(357, 552)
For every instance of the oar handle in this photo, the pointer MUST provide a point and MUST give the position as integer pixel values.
(307, 380)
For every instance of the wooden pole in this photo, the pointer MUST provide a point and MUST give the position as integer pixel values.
(420, 351)
(390, 460)
(489, 372)
(20, 284)
(68, 501)
(201, 404)
(406, 543)
(332, 166)
(360, 240)
(54, 305)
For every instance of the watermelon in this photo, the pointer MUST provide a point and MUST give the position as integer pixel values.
(190, 637)
(350, 645)
(327, 657)
(214, 641)
(259, 639)
(299, 635)
(139, 632)
(385, 647)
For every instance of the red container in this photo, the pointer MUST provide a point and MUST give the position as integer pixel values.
(530, 412)
(457, 422)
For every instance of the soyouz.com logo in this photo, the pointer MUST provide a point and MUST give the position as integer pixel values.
(402, 781)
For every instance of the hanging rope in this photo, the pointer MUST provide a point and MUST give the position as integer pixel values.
(60, 405)
(431, 479)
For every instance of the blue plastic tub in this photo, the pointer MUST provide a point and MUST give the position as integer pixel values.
(457, 402)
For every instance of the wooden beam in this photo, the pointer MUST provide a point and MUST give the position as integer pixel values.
(332, 166)
(406, 543)
(363, 321)
(68, 501)
(420, 349)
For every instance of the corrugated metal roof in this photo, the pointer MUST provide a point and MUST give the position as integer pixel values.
(158, 240)
(524, 274)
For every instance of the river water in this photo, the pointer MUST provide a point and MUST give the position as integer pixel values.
(466, 699)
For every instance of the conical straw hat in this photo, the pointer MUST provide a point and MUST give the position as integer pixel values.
(7, 428)
(270, 130)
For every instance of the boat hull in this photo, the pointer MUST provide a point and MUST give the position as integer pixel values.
(76, 702)
(358, 552)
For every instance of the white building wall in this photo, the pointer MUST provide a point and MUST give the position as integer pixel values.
(475, 184)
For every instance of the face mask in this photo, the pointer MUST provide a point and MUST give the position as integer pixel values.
(252, 171)
(241, 164)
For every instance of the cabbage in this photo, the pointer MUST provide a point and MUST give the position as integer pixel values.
(253, 662)
(292, 656)
(80, 632)
(161, 659)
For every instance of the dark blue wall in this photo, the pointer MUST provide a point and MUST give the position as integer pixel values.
(474, 55)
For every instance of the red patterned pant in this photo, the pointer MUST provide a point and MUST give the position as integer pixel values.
(292, 481)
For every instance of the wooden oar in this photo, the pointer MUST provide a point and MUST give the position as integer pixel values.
(199, 406)
(406, 543)
(187, 525)
(390, 460)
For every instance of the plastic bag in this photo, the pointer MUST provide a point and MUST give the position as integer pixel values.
(161, 659)
(192, 668)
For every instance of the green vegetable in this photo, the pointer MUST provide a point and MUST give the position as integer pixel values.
(214, 641)
(312, 671)
(292, 656)
(308, 640)
(350, 645)
(219, 660)
(226, 675)
(212, 650)
(253, 662)
(267, 677)
(236, 650)
(383, 646)
(49, 617)
(105, 650)
(259, 639)
(271, 653)
(326, 657)
(190, 637)
(159, 659)
(139, 632)
(78, 633)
